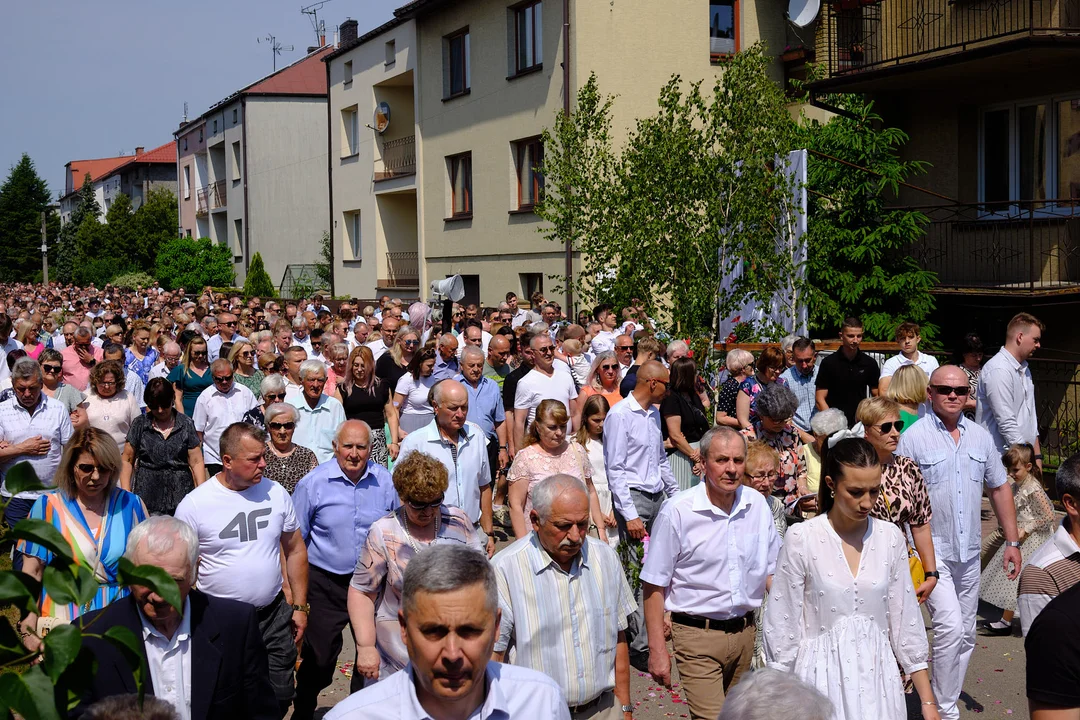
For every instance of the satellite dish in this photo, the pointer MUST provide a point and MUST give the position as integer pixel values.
(452, 288)
(382, 117)
(803, 12)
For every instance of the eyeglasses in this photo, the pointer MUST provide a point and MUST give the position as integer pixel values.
(547, 349)
(222, 378)
(198, 353)
(771, 475)
(52, 369)
(89, 468)
(885, 428)
(229, 324)
(426, 506)
(665, 383)
(609, 367)
(961, 391)
(106, 383)
(247, 353)
(411, 343)
(281, 426)
(274, 396)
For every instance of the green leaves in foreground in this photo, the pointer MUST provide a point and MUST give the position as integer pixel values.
(30, 694)
(152, 577)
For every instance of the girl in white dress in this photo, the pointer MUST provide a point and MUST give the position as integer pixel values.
(842, 609)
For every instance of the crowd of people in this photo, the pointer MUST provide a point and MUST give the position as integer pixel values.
(296, 470)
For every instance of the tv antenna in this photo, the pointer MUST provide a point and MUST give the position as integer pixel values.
(318, 25)
(276, 48)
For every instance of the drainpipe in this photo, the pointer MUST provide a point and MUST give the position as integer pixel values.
(566, 110)
(330, 176)
(244, 150)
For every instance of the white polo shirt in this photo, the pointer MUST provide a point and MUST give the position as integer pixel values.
(215, 411)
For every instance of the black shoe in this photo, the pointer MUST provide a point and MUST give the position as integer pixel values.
(640, 661)
(995, 629)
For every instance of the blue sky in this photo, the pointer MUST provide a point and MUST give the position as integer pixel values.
(90, 79)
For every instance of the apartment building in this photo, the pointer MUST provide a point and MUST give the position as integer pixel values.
(75, 174)
(252, 169)
(138, 175)
(486, 77)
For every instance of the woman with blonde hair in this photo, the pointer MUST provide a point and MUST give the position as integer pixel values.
(245, 370)
(395, 362)
(365, 396)
(28, 332)
(191, 376)
(140, 355)
(739, 363)
(603, 378)
(908, 390)
(547, 451)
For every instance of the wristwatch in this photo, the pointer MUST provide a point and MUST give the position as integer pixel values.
(933, 574)
(1012, 543)
(628, 708)
(305, 608)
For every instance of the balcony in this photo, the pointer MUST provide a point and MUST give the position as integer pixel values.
(398, 158)
(859, 38)
(402, 270)
(1008, 248)
(202, 202)
(211, 197)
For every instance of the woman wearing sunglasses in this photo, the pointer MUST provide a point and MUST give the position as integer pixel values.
(393, 364)
(271, 390)
(245, 371)
(603, 378)
(422, 520)
(191, 376)
(903, 499)
(286, 462)
(52, 373)
(94, 516)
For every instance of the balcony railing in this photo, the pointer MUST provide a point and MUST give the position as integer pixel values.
(202, 202)
(859, 35)
(211, 197)
(402, 270)
(1021, 246)
(398, 159)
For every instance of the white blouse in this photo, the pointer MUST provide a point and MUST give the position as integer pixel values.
(844, 634)
(416, 394)
(114, 415)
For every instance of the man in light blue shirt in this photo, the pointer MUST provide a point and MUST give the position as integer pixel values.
(446, 362)
(957, 458)
(462, 448)
(450, 673)
(335, 506)
(802, 379)
(485, 405)
(320, 415)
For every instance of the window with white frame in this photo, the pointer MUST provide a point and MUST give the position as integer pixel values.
(1029, 151)
(187, 182)
(350, 131)
(353, 235)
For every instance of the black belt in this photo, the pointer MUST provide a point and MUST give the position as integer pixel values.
(585, 707)
(646, 493)
(266, 611)
(732, 625)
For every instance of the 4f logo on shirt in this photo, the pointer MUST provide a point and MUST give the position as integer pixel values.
(246, 527)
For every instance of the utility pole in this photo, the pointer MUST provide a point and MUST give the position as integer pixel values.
(44, 250)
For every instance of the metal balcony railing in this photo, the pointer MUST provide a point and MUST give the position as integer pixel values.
(219, 197)
(1017, 246)
(402, 270)
(860, 35)
(398, 159)
(202, 202)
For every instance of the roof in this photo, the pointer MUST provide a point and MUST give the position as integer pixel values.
(346, 47)
(163, 155)
(306, 76)
(97, 169)
(415, 7)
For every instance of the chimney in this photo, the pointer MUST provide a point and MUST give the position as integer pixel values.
(140, 150)
(311, 49)
(348, 31)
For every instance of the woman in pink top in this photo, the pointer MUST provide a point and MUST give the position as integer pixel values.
(548, 452)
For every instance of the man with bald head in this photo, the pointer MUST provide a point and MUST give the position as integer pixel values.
(498, 352)
(335, 506)
(958, 459)
(462, 448)
(639, 475)
(446, 361)
(385, 339)
(226, 332)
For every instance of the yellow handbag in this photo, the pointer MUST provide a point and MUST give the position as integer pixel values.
(915, 566)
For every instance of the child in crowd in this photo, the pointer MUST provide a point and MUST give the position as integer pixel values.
(761, 470)
(907, 339)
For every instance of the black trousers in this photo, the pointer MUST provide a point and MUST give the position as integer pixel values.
(328, 596)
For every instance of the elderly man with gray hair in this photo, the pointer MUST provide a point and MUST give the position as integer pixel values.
(769, 694)
(170, 358)
(206, 660)
(450, 622)
(556, 564)
(485, 406)
(336, 503)
(320, 414)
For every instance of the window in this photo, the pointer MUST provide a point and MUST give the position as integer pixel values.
(528, 36)
(348, 73)
(353, 236)
(238, 238)
(1030, 152)
(460, 185)
(456, 77)
(391, 51)
(215, 127)
(187, 182)
(200, 134)
(723, 28)
(528, 157)
(350, 131)
(236, 160)
(235, 115)
(531, 283)
(185, 144)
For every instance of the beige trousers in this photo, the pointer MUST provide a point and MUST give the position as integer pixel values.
(607, 709)
(710, 662)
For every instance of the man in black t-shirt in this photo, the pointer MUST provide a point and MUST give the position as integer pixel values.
(1053, 659)
(846, 376)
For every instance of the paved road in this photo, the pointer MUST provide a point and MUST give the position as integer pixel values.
(994, 687)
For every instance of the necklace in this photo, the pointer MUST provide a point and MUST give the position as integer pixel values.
(403, 520)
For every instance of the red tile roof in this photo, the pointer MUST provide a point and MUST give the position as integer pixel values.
(304, 77)
(163, 154)
(78, 169)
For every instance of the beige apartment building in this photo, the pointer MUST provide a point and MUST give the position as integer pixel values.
(485, 78)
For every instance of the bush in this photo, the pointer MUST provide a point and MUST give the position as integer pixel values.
(258, 281)
(189, 263)
(132, 280)
(99, 271)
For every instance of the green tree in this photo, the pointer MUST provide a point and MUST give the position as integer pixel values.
(67, 254)
(23, 197)
(156, 222)
(190, 263)
(324, 269)
(92, 263)
(857, 264)
(258, 281)
(118, 234)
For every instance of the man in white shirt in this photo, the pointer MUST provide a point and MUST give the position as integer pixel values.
(450, 672)
(639, 476)
(300, 334)
(712, 553)
(605, 339)
(1005, 401)
(908, 337)
(387, 331)
(518, 316)
(170, 358)
(245, 523)
(226, 325)
(547, 380)
(218, 407)
(360, 332)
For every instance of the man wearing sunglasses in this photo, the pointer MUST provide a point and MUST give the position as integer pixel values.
(958, 459)
(1005, 402)
(218, 407)
(226, 326)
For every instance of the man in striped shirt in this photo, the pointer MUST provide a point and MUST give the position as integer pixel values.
(565, 601)
(1055, 567)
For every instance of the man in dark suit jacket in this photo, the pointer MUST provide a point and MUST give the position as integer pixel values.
(223, 657)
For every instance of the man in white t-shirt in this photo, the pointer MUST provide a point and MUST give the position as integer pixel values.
(245, 523)
(218, 407)
(387, 330)
(547, 380)
(908, 339)
(605, 339)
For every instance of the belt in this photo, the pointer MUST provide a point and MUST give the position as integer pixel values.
(647, 493)
(732, 625)
(264, 612)
(585, 707)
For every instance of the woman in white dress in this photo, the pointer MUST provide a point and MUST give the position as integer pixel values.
(842, 609)
(591, 436)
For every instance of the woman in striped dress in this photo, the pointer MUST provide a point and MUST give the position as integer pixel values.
(94, 516)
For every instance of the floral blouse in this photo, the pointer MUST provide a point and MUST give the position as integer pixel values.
(903, 488)
(534, 463)
(752, 387)
(792, 481)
